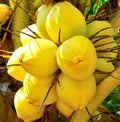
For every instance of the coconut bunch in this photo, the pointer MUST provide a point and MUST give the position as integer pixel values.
(58, 59)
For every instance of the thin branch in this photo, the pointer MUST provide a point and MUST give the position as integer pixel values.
(42, 103)
(107, 73)
(34, 33)
(112, 49)
(34, 37)
(59, 35)
(13, 65)
(5, 51)
(3, 67)
(101, 31)
(116, 59)
(101, 38)
(100, 45)
(106, 57)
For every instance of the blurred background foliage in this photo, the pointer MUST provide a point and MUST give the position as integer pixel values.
(97, 5)
(113, 101)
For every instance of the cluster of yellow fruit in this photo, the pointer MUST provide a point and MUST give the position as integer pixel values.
(57, 61)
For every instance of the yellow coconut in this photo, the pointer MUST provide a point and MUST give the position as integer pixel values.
(76, 94)
(25, 110)
(14, 67)
(64, 21)
(42, 13)
(103, 65)
(5, 13)
(76, 57)
(40, 57)
(39, 89)
(102, 34)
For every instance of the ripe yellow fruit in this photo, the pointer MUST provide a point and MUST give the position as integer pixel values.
(107, 51)
(95, 26)
(103, 65)
(76, 57)
(25, 110)
(42, 13)
(64, 21)
(14, 65)
(29, 33)
(5, 12)
(40, 57)
(64, 109)
(75, 94)
(103, 45)
(36, 89)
